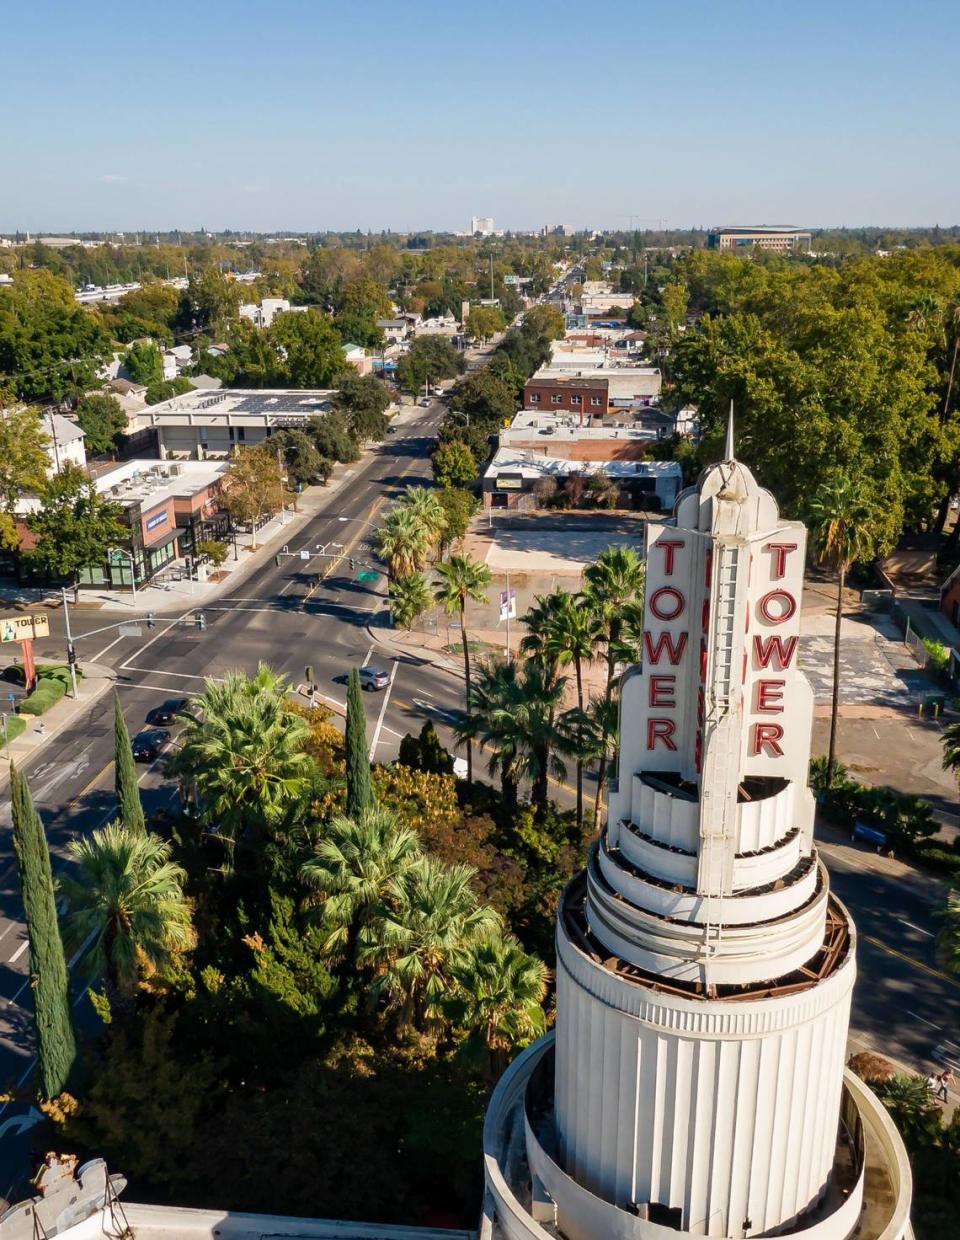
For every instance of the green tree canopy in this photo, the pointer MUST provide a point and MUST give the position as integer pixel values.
(103, 422)
(75, 526)
(24, 463)
(453, 465)
(144, 363)
(428, 359)
(363, 400)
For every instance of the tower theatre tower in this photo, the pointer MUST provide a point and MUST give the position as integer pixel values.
(695, 1082)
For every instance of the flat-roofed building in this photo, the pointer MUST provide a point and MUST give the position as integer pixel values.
(210, 424)
(511, 479)
(764, 236)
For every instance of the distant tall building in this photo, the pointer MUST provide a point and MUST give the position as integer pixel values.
(763, 236)
(482, 224)
(695, 1084)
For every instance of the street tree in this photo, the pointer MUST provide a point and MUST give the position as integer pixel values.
(463, 580)
(948, 939)
(485, 398)
(126, 893)
(459, 507)
(483, 322)
(428, 359)
(23, 463)
(56, 1047)
(453, 465)
(546, 321)
(103, 422)
(842, 523)
(211, 302)
(363, 401)
(304, 463)
(613, 590)
(306, 349)
(75, 527)
(129, 807)
(252, 485)
(360, 797)
(409, 597)
(332, 437)
(425, 506)
(404, 542)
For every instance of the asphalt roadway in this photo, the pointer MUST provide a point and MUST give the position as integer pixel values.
(903, 1004)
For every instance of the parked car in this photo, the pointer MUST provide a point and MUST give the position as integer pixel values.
(168, 711)
(869, 835)
(373, 678)
(425, 402)
(149, 744)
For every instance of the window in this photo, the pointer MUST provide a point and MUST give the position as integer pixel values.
(535, 398)
(555, 400)
(595, 401)
(575, 400)
(241, 433)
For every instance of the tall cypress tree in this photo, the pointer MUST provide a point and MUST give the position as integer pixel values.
(359, 787)
(56, 1048)
(129, 809)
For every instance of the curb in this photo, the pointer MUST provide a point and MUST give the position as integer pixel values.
(414, 652)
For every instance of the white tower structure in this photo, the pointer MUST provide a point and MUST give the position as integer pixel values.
(695, 1082)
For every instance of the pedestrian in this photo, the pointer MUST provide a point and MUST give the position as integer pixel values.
(42, 728)
(933, 1082)
(944, 1081)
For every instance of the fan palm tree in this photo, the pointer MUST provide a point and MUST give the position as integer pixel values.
(409, 598)
(359, 867)
(245, 753)
(613, 590)
(572, 634)
(426, 507)
(463, 580)
(602, 739)
(128, 895)
(403, 541)
(512, 713)
(948, 940)
(536, 642)
(841, 522)
(500, 993)
(416, 947)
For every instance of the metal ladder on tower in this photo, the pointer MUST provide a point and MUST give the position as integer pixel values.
(723, 738)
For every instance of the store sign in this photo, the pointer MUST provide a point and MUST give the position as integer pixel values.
(158, 518)
(509, 482)
(23, 628)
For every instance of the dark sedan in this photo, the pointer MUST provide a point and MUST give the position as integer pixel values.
(150, 743)
(167, 712)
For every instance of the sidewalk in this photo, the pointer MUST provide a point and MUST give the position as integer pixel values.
(95, 682)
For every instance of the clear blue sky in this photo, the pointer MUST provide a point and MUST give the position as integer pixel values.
(406, 114)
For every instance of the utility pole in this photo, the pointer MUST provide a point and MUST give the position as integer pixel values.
(491, 276)
(71, 652)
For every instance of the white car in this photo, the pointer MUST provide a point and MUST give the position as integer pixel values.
(460, 768)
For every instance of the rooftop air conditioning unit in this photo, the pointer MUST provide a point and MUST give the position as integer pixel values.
(176, 471)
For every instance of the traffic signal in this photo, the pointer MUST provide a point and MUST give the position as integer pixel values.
(151, 620)
(353, 564)
(200, 621)
(71, 655)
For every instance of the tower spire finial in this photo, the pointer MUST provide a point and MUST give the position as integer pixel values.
(728, 451)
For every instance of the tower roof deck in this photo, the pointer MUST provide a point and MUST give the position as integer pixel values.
(833, 952)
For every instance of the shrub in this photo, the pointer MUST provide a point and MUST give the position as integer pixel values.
(15, 726)
(938, 652)
(60, 671)
(49, 691)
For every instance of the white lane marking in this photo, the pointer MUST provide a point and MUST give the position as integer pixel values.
(919, 929)
(366, 657)
(922, 1021)
(146, 645)
(100, 653)
(19, 952)
(383, 710)
(158, 671)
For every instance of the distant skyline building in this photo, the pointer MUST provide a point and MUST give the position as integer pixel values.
(696, 1084)
(764, 236)
(485, 225)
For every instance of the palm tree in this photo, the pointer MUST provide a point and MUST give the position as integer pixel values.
(359, 867)
(409, 598)
(463, 580)
(500, 993)
(613, 589)
(948, 940)
(403, 541)
(602, 739)
(572, 633)
(512, 712)
(128, 895)
(539, 620)
(416, 947)
(245, 753)
(841, 522)
(426, 507)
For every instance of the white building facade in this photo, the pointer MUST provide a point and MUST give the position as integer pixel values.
(696, 1083)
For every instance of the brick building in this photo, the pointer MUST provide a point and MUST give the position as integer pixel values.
(567, 394)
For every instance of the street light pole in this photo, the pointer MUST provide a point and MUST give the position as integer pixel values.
(6, 738)
(71, 652)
